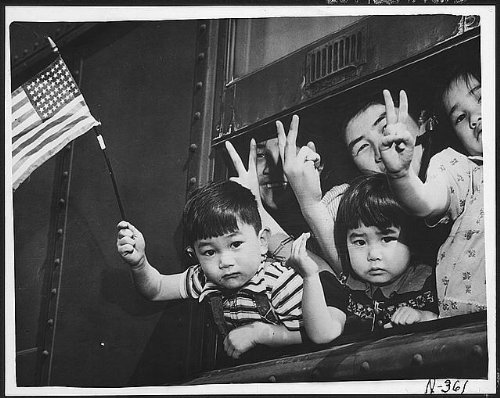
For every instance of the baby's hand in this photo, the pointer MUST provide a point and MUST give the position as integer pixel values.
(241, 339)
(300, 260)
(396, 147)
(301, 167)
(407, 316)
(130, 244)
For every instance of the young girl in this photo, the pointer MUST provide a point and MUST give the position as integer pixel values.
(386, 285)
(452, 193)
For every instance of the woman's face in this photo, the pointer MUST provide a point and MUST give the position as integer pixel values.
(363, 134)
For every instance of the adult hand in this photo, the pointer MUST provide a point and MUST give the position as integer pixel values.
(301, 167)
(247, 178)
(397, 144)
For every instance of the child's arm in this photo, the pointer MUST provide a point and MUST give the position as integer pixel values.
(148, 281)
(301, 170)
(396, 149)
(407, 316)
(242, 339)
(322, 323)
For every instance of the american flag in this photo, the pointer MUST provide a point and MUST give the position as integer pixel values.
(48, 111)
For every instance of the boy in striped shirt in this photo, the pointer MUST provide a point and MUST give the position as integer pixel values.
(254, 300)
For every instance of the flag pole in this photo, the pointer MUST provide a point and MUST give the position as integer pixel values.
(100, 139)
(110, 169)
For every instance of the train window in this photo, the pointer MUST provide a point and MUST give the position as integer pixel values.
(261, 41)
(321, 117)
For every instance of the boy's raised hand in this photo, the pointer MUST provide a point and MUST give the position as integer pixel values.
(299, 258)
(246, 178)
(301, 168)
(130, 244)
(397, 144)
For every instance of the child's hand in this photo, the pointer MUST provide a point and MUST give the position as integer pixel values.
(301, 168)
(407, 316)
(246, 178)
(241, 339)
(130, 244)
(300, 260)
(396, 147)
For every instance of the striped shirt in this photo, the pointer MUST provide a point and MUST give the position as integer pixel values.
(282, 285)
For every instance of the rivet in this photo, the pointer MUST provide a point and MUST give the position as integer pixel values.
(45, 353)
(207, 325)
(58, 30)
(50, 322)
(25, 51)
(193, 147)
(201, 56)
(76, 72)
(61, 202)
(53, 291)
(57, 261)
(418, 359)
(68, 147)
(199, 85)
(272, 379)
(65, 174)
(16, 57)
(60, 231)
(35, 44)
(203, 27)
(365, 366)
(192, 180)
(197, 115)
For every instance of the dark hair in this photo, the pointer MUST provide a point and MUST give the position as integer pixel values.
(368, 200)
(462, 72)
(215, 209)
(354, 112)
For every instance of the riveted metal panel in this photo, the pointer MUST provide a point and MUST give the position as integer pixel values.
(450, 348)
(137, 79)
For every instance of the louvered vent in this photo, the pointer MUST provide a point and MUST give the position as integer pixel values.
(335, 56)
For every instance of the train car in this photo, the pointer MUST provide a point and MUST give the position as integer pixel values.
(168, 94)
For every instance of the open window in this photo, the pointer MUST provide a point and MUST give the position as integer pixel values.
(337, 62)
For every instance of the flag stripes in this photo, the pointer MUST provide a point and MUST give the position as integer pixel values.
(47, 113)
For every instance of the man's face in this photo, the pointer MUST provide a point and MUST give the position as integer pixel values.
(462, 101)
(274, 189)
(363, 134)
